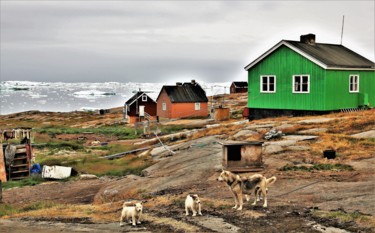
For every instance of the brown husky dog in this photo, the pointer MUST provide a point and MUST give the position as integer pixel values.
(245, 185)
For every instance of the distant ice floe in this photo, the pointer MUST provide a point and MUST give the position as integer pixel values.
(37, 96)
(89, 109)
(92, 94)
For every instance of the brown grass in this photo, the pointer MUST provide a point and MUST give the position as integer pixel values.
(220, 130)
(346, 147)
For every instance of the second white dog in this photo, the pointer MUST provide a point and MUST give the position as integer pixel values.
(133, 210)
(192, 202)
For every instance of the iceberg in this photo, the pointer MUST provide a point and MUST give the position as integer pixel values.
(92, 94)
(89, 109)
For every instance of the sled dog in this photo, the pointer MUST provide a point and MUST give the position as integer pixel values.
(256, 184)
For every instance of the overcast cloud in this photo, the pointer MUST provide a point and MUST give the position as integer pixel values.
(161, 41)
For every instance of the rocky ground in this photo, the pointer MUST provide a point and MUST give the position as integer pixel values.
(295, 200)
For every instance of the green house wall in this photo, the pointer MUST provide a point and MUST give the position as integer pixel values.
(329, 90)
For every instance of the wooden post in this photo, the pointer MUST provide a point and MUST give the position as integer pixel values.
(1, 192)
(3, 175)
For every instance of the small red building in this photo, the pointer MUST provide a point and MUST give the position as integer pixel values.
(139, 107)
(182, 101)
(238, 87)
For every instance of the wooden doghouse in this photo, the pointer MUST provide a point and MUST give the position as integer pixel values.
(243, 156)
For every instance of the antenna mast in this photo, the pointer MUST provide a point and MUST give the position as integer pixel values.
(342, 28)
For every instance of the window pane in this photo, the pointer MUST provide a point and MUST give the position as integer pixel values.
(305, 87)
(272, 79)
(297, 83)
(272, 87)
(264, 87)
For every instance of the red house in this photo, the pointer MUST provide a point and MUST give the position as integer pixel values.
(182, 100)
(139, 107)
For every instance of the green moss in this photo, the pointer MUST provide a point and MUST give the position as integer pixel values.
(21, 183)
(342, 216)
(318, 167)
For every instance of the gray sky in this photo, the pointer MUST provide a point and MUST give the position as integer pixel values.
(161, 41)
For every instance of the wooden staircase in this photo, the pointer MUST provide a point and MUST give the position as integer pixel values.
(150, 118)
(20, 168)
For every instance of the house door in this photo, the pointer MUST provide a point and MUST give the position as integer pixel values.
(141, 110)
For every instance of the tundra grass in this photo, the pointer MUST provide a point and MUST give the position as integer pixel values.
(8, 210)
(93, 164)
(343, 216)
(120, 131)
(318, 167)
(21, 183)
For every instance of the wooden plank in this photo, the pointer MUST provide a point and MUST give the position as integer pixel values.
(3, 175)
(122, 154)
(245, 169)
(22, 150)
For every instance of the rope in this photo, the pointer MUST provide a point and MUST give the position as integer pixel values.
(165, 146)
(302, 187)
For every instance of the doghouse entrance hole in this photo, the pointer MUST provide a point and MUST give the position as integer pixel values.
(234, 153)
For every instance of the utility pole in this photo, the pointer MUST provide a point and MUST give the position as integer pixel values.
(342, 28)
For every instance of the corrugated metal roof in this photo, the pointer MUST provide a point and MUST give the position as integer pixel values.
(333, 55)
(186, 93)
(328, 56)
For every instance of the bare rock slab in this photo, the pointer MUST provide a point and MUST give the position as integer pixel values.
(367, 134)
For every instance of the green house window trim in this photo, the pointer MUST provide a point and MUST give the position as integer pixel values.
(354, 83)
(268, 84)
(301, 84)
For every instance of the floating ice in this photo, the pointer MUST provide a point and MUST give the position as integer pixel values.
(92, 93)
(89, 109)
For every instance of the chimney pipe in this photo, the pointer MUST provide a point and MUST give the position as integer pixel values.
(308, 39)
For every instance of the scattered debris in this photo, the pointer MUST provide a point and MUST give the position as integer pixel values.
(273, 133)
(88, 177)
(56, 172)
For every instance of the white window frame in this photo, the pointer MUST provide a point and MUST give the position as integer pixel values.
(144, 98)
(300, 85)
(197, 106)
(356, 81)
(268, 84)
(164, 106)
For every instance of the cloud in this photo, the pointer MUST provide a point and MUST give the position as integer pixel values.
(137, 40)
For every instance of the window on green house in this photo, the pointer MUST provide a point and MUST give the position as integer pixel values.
(268, 83)
(301, 83)
(353, 83)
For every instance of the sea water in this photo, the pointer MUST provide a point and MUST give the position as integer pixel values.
(20, 96)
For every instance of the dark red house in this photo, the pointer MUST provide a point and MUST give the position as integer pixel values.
(238, 87)
(139, 107)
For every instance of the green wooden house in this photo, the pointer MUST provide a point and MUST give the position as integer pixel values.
(299, 77)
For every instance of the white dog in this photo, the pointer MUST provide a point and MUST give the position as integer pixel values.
(193, 202)
(133, 210)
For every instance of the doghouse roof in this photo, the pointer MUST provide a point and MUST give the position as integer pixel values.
(240, 143)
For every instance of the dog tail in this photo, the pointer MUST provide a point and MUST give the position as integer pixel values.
(271, 180)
